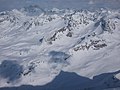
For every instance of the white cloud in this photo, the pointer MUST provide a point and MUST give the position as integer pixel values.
(91, 2)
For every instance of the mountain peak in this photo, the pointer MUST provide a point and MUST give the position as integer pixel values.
(42, 43)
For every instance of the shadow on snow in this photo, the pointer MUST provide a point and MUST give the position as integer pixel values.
(72, 81)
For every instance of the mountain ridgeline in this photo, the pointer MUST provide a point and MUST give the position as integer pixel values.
(38, 44)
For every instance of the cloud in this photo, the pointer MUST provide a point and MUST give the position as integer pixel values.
(91, 2)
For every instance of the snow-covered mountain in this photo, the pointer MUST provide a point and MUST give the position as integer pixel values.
(39, 46)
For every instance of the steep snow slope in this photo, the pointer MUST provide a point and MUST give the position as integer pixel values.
(35, 48)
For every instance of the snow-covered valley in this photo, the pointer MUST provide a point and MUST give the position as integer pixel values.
(59, 49)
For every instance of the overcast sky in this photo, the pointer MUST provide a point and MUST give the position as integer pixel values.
(12, 4)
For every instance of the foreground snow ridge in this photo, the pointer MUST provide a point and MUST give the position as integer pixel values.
(37, 46)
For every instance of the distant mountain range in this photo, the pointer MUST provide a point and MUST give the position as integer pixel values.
(40, 46)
